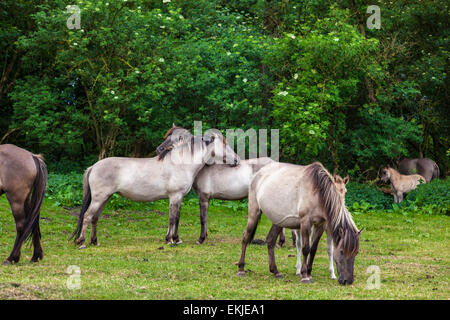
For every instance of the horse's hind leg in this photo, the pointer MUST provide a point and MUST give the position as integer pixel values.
(204, 206)
(254, 214)
(94, 222)
(271, 240)
(18, 210)
(38, 253)
(92, 211)
(282, 239)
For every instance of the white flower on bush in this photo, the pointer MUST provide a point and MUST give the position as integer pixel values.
(244, 80)
(296, 76)
(336, 39)
(290, 35)
(283, 93)
(166, 1)
(112, 92)
(228, 53)
(161, 60)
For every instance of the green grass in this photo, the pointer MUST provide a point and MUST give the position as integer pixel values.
(132, 261)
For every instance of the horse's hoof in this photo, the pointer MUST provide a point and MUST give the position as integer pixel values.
(306, 280)
(83, 246)
(7, 263)
(298, 274)
(333, 277)
(179, 242)
(240, 273)
(278, 275)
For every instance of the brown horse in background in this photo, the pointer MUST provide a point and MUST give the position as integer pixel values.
(427, 168)
(23, 178)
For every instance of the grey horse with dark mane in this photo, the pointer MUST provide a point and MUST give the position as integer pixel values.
(169, 175)
(427, 168)
(23, 178)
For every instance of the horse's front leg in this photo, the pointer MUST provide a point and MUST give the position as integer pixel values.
(305, 230)
(298, 244)
(330, 249)
(174, 219)
(317, 234)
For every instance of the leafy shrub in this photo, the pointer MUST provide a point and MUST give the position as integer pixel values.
(430, 198)
(366, 196)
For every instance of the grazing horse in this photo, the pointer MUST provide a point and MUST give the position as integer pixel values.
(427, 168)
(342, 190)
(304, 198)
(400, 183)
(169, 175)
(23, 178)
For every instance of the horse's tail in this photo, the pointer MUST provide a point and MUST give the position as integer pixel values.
(339, 220)
(33, 208)
(436, 172)
(87, 198)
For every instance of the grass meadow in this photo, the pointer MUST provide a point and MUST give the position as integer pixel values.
(133, 262)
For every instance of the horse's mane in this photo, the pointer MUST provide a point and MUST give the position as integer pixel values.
(171, 130)
(339, 219)
(177, 144)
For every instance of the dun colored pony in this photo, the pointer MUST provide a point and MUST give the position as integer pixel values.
(23, 178)
(400, 183)
(427, 168)
(169, 175)
(304, 198)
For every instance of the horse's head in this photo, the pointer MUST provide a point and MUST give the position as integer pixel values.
(175, 135)
(385, 174)
(340, 184)
(218, 151)
(344, 254)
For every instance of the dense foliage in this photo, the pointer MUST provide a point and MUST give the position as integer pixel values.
(351, 97)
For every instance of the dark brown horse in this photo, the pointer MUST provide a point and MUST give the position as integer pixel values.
(427, 168)
(23, 178)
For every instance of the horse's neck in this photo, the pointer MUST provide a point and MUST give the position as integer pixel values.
(395, 177)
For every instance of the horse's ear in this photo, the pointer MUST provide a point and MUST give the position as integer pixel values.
(360, 231)
(346, 179)
(173, 125)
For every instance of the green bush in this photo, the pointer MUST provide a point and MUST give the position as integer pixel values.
(429, 198)
(366, 196)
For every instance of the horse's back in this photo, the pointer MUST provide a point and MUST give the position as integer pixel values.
(422, 166)
(17, 168)
(222, 181)
(282, 190)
